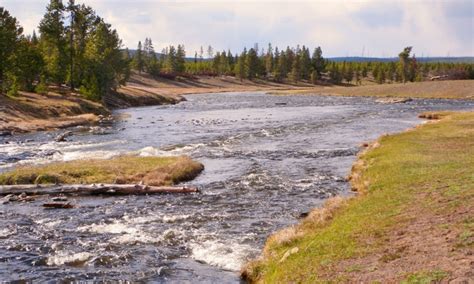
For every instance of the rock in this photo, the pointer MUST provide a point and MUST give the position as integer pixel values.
(5, 133)
(393, 100)
(8, 199)
(303, 215)
(62, 137)
(60, 198)
(288, 253)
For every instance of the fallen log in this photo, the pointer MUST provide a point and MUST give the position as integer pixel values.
(58, 205)
(93, 189)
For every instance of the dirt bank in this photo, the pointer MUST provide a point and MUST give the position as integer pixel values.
(34, 112)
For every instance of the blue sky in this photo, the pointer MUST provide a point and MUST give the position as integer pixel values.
(341, 28)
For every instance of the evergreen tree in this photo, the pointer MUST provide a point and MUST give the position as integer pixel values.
(305, 62)
(314, 77)
(296, 69)
(83, 24)
(180, 58)
(106, 67)
(171, 61)
(138, 62)
(269, 60)
(317, 60)
(10, 37)
(53, 42)
(251, 63)
(404, 61)
(349, 73)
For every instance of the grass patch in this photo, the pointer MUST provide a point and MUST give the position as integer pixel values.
(155, 171)
(425, 170)
(425, 277)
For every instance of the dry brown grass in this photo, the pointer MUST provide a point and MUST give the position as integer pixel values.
(30, 111)
(143, 86)
(458, 89)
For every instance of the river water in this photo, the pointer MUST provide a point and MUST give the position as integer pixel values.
(267, 160)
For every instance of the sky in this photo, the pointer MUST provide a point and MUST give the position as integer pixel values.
(374, 28)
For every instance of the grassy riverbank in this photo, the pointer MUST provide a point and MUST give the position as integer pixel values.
(413, 219)
(155, 171)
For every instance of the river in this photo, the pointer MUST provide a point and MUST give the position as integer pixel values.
(267, 160)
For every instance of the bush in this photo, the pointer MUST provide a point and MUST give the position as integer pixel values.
(41, 88)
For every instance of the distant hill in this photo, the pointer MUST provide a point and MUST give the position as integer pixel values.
(465, 59)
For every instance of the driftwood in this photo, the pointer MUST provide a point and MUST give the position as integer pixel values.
(93, 189)
(58, 205)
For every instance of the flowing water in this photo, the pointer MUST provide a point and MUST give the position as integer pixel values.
(268, 159)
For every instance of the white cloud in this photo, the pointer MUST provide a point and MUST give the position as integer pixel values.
(434, 28)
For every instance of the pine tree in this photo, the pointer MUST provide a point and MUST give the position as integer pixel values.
(138, 61)
(210, 52)
(349, 73)
(180, 59)
(314, 77)
(404, 61)
(171, 62)
(53, 42)
(251, 63)
(10, 35)
(317, 60)
(106, 66)
(269, 61)
(296, 70)
(305, 61)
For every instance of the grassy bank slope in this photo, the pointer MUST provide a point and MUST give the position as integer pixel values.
(155, 171)
(459, 89)
(413, 219)
(30, 111)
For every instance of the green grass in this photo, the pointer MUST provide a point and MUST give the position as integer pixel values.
(425, 277)
(408, 171)
(125, 169)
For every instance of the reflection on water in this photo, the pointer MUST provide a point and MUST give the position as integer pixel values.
(268, 159)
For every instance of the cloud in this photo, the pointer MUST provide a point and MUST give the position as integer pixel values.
(380, 28)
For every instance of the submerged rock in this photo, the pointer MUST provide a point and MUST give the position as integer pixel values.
(62, 137)
(393, 100)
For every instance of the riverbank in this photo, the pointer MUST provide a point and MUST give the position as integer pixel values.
(457, 89)
(153, 171)
(61, 109)
(412, 219)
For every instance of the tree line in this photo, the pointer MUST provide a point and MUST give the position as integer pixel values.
(293, 65)
(75, 47)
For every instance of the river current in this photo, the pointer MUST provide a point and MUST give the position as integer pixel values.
(267, 159)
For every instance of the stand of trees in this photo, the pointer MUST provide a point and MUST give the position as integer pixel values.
(75, 47)
(291, 65)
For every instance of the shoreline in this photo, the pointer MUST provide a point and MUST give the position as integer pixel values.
(34, 112)
(31, 112)
(385, 248)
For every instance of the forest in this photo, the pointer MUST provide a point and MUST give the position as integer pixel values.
(77, 49)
